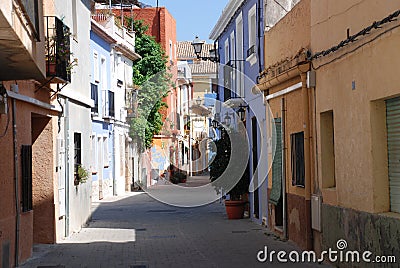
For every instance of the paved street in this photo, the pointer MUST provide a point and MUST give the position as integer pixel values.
(137, 231)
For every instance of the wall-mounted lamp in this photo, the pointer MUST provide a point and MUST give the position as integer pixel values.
(198, 100)
(3, 99)
(198, 47)
(227, 119)
(242, 112)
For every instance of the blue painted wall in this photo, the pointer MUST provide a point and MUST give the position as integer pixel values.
(251, 71)
(100, 127)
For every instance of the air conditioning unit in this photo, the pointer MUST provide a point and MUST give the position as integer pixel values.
(316, 203)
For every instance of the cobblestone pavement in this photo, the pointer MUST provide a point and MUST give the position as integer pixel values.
(137, 231)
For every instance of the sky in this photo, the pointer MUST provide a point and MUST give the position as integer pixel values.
(192, 17)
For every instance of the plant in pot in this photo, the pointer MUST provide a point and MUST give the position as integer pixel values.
(81, 175)
(222, 150)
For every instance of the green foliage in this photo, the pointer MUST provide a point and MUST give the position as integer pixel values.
(151, 76)
(223, 151)
(82, 174)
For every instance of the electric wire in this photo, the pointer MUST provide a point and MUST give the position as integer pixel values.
(353, 38)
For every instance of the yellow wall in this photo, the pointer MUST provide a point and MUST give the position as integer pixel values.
(289, 35)
(359, 114)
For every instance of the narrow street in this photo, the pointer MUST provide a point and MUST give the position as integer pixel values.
(138, 231)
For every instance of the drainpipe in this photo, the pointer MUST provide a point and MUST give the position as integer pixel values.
(113, 161)
(66, 138)
(283, 137)
(16, 180)
(306, 125)
(260, 67)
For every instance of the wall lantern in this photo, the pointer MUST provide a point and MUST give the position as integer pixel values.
(198, 100)
(198, 47)
(242, 112)
(227, 119)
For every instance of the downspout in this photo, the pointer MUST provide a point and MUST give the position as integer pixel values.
(283, 137)
(113, 161)
(306, 125)
(16, 180)
(259, 24)
(66, 138)
(159, 24)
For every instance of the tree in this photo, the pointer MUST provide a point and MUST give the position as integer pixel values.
(151, 76)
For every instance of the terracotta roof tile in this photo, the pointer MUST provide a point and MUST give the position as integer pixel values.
(203, 67)
(185, 50)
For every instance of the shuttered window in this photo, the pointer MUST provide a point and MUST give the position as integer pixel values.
(393, 143)
(77, 150)
(276, 191)
(26, 159)
(297, 158)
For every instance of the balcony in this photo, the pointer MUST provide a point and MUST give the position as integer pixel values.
(21, 45)
(58, 52)
(124, 38)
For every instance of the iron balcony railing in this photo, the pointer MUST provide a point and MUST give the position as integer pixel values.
(58, 50)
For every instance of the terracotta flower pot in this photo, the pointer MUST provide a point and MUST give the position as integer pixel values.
(234, 209)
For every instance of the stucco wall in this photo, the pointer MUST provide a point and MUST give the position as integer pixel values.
(289, 35)
(24, 126)
(359, 113)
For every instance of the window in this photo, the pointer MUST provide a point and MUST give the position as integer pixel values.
(96, 67)
(233, 62)
(327, 150)
(121, 154)
(74, 19)
(393, 145)
(77, 150)
(297, 158)
(226, 51)
(94, 153)
(105, 152)
(239, 55)
(95, 98)
(111, 110)
(227, 82)
(252, 23)
(276, 190)
(170, 50)
(26, 159)
(103, 73)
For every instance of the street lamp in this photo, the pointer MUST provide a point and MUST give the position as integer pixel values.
(227, 119)
(198, 100)
(198, 47)
(242, 112)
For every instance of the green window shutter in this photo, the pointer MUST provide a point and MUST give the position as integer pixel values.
(393, 143)
(276, 191)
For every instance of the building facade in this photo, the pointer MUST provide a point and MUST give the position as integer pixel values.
(357, 89)
(239, 33)
(26, 117)
(284, 84)
(102, 129)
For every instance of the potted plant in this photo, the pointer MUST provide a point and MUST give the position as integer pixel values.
(58, 52)
(81, 175)
(236, 204)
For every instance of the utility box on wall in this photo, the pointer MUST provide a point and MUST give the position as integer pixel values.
(316, 201)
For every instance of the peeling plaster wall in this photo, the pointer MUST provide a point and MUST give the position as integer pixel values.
(363, 231)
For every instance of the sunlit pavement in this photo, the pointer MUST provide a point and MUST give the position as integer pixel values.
(138, 231)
